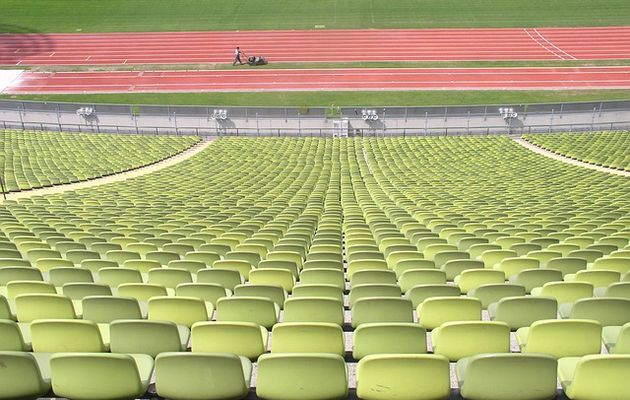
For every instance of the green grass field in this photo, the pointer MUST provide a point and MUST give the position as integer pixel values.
(313, 99)
(153, 15)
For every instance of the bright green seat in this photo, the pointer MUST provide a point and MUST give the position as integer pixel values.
(323, 276)
(456, 340)
(302, 337)
(414, 277)
(522, 311)
(420, 293)
(205, 257)
(619, 264)
(533, 278)
(314, 309)
(143, 266)
(455, 267)
(507, 376)
(373, 290)
(77, 291)
(381, 309)
(403, 376)
(307, 290)
(619, 289)
(62, 275)
(388, 338)
(363, 264)
(162, 257)
(116, 276)
(568, 265)
(147, 337)
(96, 265)
(16, 288)
(561, 338)
(599, 278)
(105, 309)
(493, 257)
(512, 266)
(595, 377)
(202, 376)
(318, 263)
(240, 266)
(13, 336)
(93, 376)
(617, 339)
(606, 310)
(274, 293)
(435, 311)
(290, 376)
(258, 310)
(493, 292)
(30, 307)
(245, 339)
(280, 264)
(404, 265)
(58, 335)
(188, 265)
(372, 277)
(473, 278)
(24, 375)
(394, 258)
(274, 277)
(179, 310)
(565, 292)
(226, 278)
(18, 273)
(142, 291)
(169, 277)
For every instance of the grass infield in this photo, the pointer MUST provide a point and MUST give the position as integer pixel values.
(44, 16)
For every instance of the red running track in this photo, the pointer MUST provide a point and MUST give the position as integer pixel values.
(318, 45)
(323, 79)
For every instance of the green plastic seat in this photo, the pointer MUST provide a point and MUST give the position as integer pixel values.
(209, 292)
(141, 291)
(147, 337)
(533, 278)
(105, 309)
(599, 278)
(456, 340)
(226, 278)
(169, 277)
(388, 338)
(512, 266)
(414, 277)
(522, 311)
(620, 289)
(368, 277)
(456, 267)
(373, 290)
(471, 279)
(245, 339)
(606, 310)
(96, 265)
(404, 265)
(12, 337)
(594, 376)
(100, 375)
(307, 290)
(202, 376)
(143, 266)
(290, 376)
(77, 291)
(403, 376)
(321, 276)
(619, 264)
(57, 336)
(62, 275)
(258, 310)
(162, 257)
(302, 337)
(274, 277)
(314, 309)
(493, 292)
(568, 265)
(240, 266)
(30, 307)
(435, 311)
(420, 293)
(18, 273)
(565, 292)
(179, 310)
(561, 338)
(617, 339)
(363, 265)
(381, 309)
(507, 376)
(17, 288)
(117, 276)
(24, 375)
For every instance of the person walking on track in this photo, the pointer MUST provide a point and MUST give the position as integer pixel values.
(237, 56)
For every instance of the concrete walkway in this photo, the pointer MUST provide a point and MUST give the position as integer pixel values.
(167, 162)
(567, 160)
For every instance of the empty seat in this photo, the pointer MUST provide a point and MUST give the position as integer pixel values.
(388, 338)
(305, 337)
(533, 278)
(56, 336)
(565, 292)
(377, 276)
(619, 264)
(226, 278)
(301, 376)
(273, 276)
(313, 309)
(30, 307)
(141, 291)
(414, 277)
(403, 376)
(598, 278)
(456, 340)
(12, 337)
(211, 376)
(473, 278)
(435, 311)
(147, 337)
(420, 293)
(617, 338)
(455, 267)
(169, 277)
(620, 289)
(561, 338)
(522, 311)
(375, 290)
(331, 291)
(8, 274)
(606, 310)
(600, 376)
(259, 310)
(323, 276)
(507, 376)
(512, 266)
(209, 292)
(77, 291)
(491, 293)
(105, 309)
(568, 265)
(245, 339)
(61, 276)
(179, 310)
(24, 375)
(100, 375)
(362, 265)
(381, 309)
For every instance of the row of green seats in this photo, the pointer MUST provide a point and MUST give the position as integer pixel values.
(32, 159)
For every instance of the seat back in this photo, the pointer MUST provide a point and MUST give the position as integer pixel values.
(388, 338)
(608, 311)
(259, 310)
(522, 311)
(245, 339)
(564, 338)
(179, 310)
(21, 377)
(598, 377)
(56, 336)
(105, 309)
(456, 340)
(313, 309)
(144, 337)
(302, 337)
(30, 307)
(381, 309)
(435, 311)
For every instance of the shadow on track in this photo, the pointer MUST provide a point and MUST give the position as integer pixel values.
(18, 43)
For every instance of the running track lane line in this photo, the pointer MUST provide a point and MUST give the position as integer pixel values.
(315, 45)
(542, 78)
